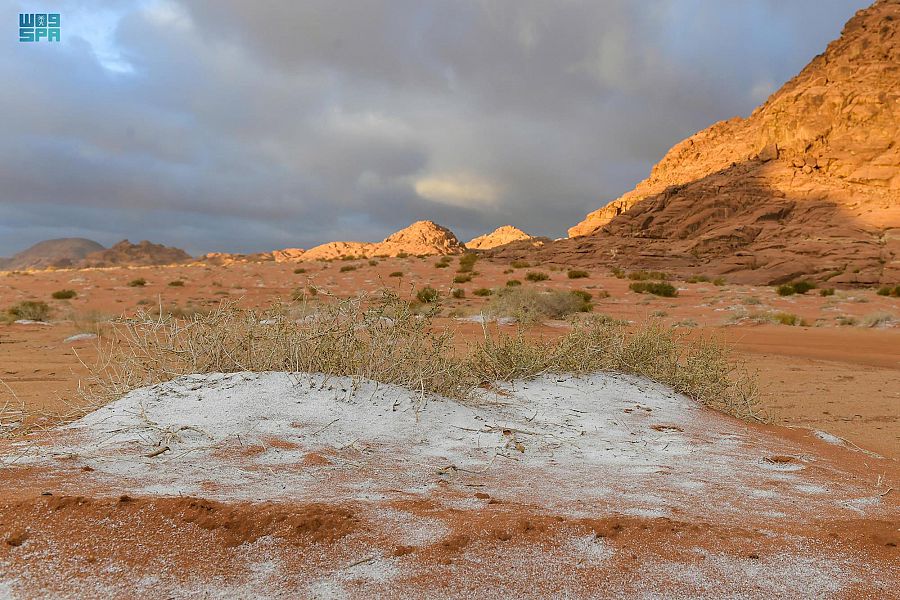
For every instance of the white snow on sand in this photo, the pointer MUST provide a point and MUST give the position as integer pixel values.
(570, 444)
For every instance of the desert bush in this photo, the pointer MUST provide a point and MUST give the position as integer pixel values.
(657, 288)
(348, 268)
(795, 287)
(536, 276)
(520, 264)
(826, 292)
(513, 283)
(701, 369)
(463, 278)
(396, 274)
(176, 283)
(618, 273)
(482, 292)
(299, 271)
(467, 262)
(698, 279)
(139, 282)
(458, 293)
(578, 274)
(528, 305)
(402, 255)
(30, 310)
(846, 320)
(373, 263)
(441, 264)
(887, 290)
(427, 295)
(645, 275)
(877, 319)
(787, 319)
(383, 339)
(752, 301)
(719, 281)
(64, 294)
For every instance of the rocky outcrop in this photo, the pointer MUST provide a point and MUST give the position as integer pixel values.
(501, 236)
(126, 254)
(288, 255)
(60, 253)
(420, 238)
(808, 184)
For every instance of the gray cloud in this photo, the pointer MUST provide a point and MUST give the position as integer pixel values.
(237, 126)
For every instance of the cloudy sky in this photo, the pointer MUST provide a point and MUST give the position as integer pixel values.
(231, 125)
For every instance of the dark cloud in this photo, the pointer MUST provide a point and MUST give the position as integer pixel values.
(245, 126)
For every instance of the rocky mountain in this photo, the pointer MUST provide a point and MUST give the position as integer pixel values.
(59, 253)
(420, 238)
(141, 254)
(499, 237)
(807, 185)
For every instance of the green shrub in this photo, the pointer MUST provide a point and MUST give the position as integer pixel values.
(657, 288)
(483, 292)
(30, 310)
(826, 292)
(396, 274)
(427, 295)
(618, 273)
(786, 289)
(467, 262)
(299, 271)
(458, 293)
(698, 279)
(463, 278)
(513, 283)
(347, 268)
(520, 264)
(578, 274)
(884, 290)
(536, 276)
(441, 264)
(719, 281)
(803, 286)
(373, 263)
(64, 294)
(139, 282)
(176, 283)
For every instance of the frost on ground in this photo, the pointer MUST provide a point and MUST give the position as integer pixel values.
(591, 456)
(569, 443)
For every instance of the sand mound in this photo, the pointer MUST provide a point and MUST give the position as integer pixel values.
(546, 487)
(499, 237)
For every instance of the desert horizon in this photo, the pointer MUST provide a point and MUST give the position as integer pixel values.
(451, 300)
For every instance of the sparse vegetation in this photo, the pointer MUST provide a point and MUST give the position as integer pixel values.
(646, 275)
(887, 290)
(796, 287)
(348, 268)
(373, 263)
(513, 283)
(139, 282)
(618, 273)
(788, 319)
(657, 288)
(467, 262)
(458, 293)
(826, 292)
(396, 274)
(299, 271)
(385, 340)
(427, 295)
(536, 276)
(176, 283)
(483, 292)
(520, 264)
(528, 305)
(463, 278)
(64, 294)
(877, 319)
(30, 310)
(578, 274)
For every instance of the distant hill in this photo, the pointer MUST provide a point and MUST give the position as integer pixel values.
(141, 254)
(60, 253)
(807, 185)
(501, 236)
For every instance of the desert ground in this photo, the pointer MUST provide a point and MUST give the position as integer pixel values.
(591, 486)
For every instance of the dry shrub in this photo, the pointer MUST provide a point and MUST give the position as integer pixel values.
(700, 369)
(383, 339)
(528, 305)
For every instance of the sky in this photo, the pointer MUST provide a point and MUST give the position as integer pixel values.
(236, 126)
